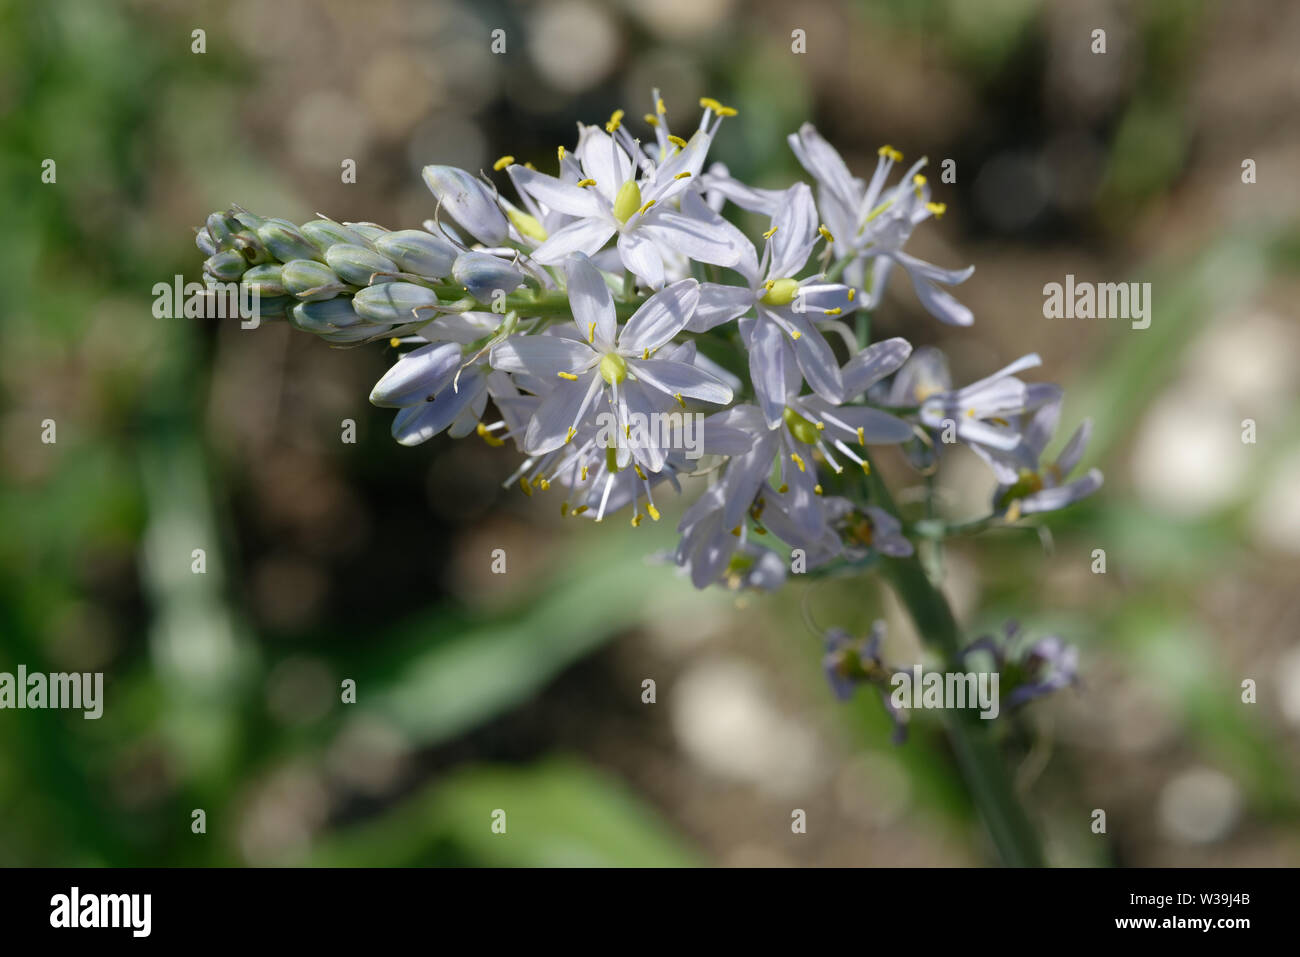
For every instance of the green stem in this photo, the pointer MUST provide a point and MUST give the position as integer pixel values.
(977, 756)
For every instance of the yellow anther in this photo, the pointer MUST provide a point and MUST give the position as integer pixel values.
(564, 509)
(817, 489)
(583, 475)
(825, 233)
(569, 438)
(736, 531)
(852, 293)
(528, 489)
(488, 437)
(543, 484)
(585, 182)
(659, 106)
(709, 103)
(580, 509)
(677, 141)
(654, 513)
(685, 175)
(794, 457)
(559, 152)
(636, 520)
(680, 400)
(796, 335)
(651, 119)
(919, 180)
(771, 232)
(890, 153)
(639, 473)
(833, 312)
(866, 468)
(567, 375)
(591, 332)
(937, 209)
(615, 121)
(502, 163)
(394, 342)
(627, 430)
(783, 489)
(727, 111)
(645, 206)
(862, 439)
(529, 165)
(645, 353)
(769, 284)
(970, 413)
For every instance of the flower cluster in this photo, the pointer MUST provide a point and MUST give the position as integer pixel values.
(622, 333)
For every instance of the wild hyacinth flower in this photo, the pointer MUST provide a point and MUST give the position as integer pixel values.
(536, 323)
(850, 662)
(605, 360)
(1028, 670)
(781, 335)
(871, 224)
(624, 194)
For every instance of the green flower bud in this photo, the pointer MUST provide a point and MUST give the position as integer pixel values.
(394, 303)
(324, 317)
(418, 252)
(266, 280)
(226, 266)
(484, 275)
(285, 242)
(367, 231)
(326, 233)
(310, 280)
(356, 264)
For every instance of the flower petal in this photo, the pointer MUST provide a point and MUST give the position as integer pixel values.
(592, 303)
(679, 378)
(661, 317)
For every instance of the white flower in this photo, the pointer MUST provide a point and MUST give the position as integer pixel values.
(872, 223)
(650, 206)
(602, 360)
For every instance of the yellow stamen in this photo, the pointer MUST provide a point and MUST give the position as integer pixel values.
(794, 457)
(771, 232)
(567, 375)
(890, 153)
(677, 141)
(685, 175)
(680, 400)
(488, 437)
(394, 342)
(564, 509)
(825, 233)
(654, 512)
(646, 206)
(862, 439)
(709, 103)
(583, 476)
(580, 509)
(852, 293)
(615, 121)
(523, 484)
(569, 438)
(559, 152)
(585, 182)
(727, 111)
(543, 484)
(651, 119)
(591, 332)
(937, 209)
(502, 163)
(833, 312)
(736, 531)
(817, 489)
(636, 520)
(639, 473)
(783, 489)
(659, 106)
(866, 468)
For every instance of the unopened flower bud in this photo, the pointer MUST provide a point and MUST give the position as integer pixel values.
(328, 316)
(394, 302)
(285, 242)
(325, 233)
(266, 280)
(310, 280)
(226, 266)
(468, 202)
(418, 252)
(483, 275)
(356, 264)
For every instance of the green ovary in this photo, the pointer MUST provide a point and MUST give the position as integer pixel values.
(613, 368)
(799, 427)
(627, 202)
(781, 292)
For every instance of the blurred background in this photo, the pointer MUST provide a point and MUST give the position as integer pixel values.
(328, 561)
